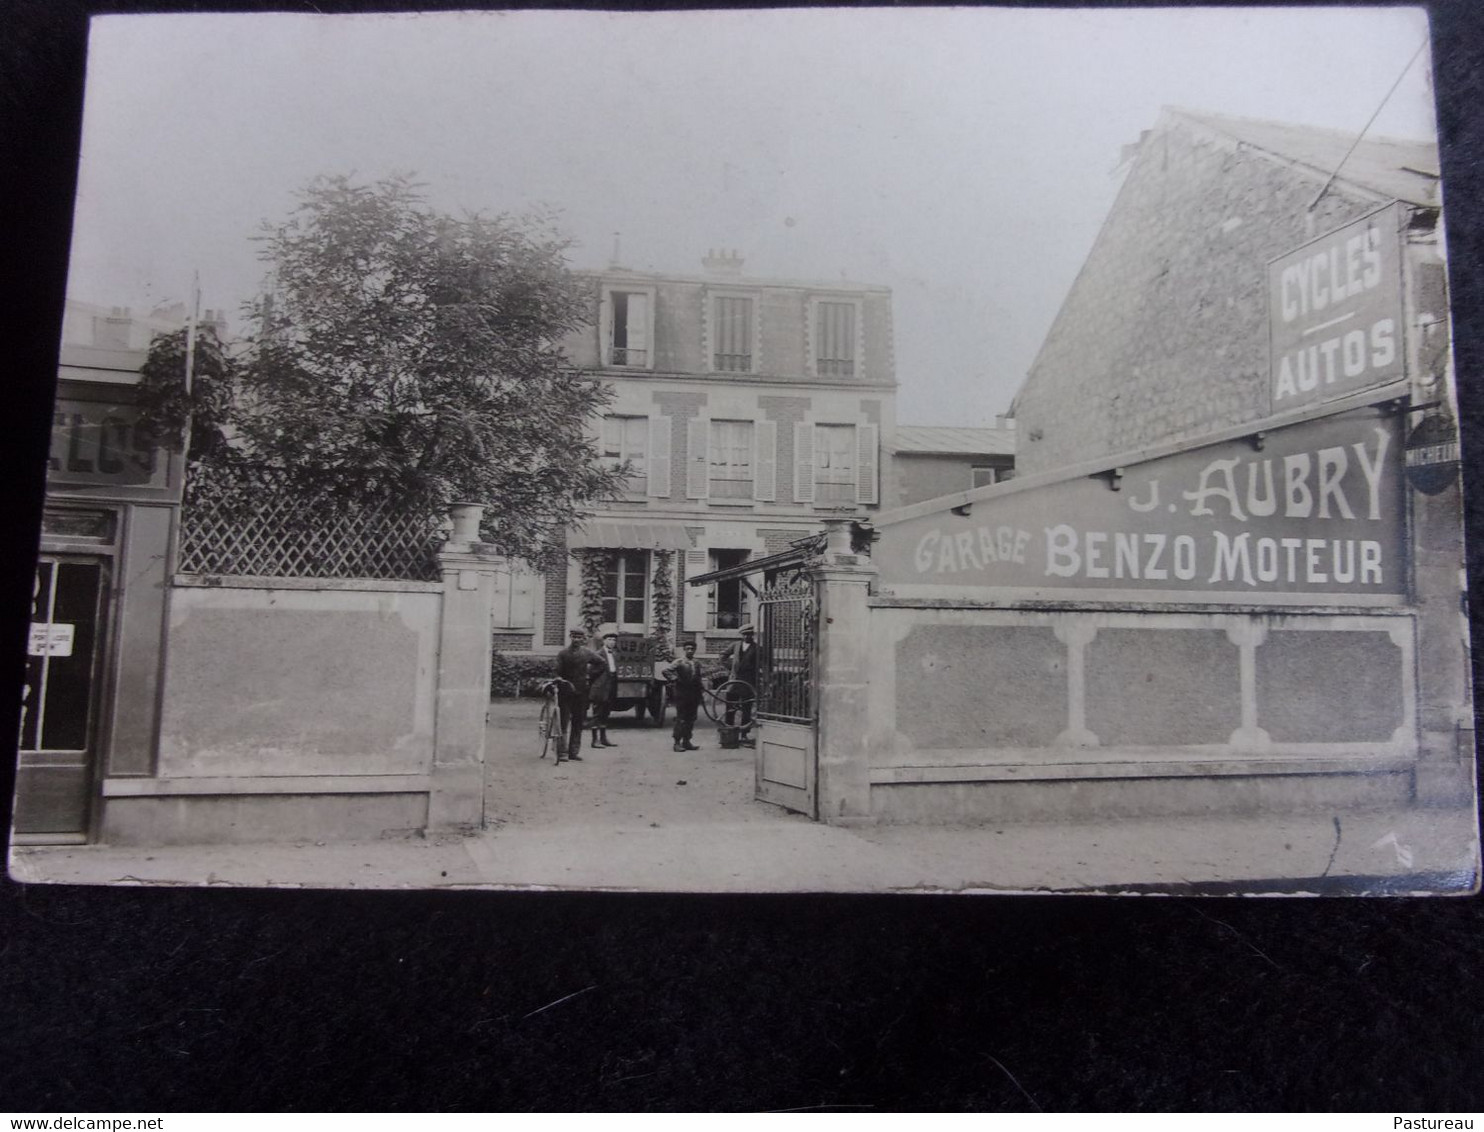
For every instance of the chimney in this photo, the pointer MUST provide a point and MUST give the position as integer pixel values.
(722, 262)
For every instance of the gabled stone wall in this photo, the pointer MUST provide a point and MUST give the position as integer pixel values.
(1163, 336)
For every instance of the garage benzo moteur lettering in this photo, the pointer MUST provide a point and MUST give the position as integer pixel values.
(1317, 510)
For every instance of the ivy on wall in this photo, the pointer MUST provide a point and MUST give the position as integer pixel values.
(593, 564)
(662, 621)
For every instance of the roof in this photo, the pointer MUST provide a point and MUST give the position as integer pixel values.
(1395, 168)
(933, 440)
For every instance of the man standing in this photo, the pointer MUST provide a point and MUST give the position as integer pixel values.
(579, 666)
(684, 678)
(740, 662)
(604, 690)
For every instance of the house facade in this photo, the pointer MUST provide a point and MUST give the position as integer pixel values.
(745, 410)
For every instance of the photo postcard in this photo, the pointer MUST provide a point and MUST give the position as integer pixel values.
(825, 450)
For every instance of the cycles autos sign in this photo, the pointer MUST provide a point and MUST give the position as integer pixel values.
(1317, 510)
(1335, 313)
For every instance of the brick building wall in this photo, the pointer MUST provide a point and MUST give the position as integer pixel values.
(1163, 335)
(554, 616)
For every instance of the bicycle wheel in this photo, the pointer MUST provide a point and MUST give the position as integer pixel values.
(549, 725)
(736, 696)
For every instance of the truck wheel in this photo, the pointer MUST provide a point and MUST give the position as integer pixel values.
(639, 711)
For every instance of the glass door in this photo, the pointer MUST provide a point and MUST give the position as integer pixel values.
(59, 704)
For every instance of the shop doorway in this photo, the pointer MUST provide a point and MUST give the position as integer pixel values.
(60, 700)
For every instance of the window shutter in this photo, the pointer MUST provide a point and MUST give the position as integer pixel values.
(500, 599)
(605, 329)
(522, 599)
(638, 328)
(697, 468)
(804, 462)
(659, 456)
(693, 619)
(865, 463)
(765, 461)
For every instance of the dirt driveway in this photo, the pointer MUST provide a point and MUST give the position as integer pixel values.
(641, 782)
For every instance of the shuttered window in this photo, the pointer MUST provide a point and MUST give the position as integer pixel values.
(732, 334)
(834, 339)
(628, 329)
(729, 458)
(834, 463)
(625, 440)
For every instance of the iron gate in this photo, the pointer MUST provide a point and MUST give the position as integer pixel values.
(786, 654)
(786, 763)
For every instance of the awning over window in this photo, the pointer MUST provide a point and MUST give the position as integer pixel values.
(607, 534)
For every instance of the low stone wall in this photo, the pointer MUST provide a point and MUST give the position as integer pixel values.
(299, 709)
(977, 713)
(273, 678)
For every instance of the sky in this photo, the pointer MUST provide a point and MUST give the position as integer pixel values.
(964, 157)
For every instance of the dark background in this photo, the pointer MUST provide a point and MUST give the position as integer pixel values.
(186, 999)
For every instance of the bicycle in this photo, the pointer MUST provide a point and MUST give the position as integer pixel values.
(549, 726)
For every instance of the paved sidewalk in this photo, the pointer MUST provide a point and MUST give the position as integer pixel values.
(642, 817)
(1373, 852)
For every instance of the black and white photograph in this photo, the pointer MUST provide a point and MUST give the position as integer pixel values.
(934, 450)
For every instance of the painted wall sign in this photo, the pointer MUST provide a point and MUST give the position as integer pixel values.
(96, 442)
(1335, 313)
(49, 640)
(1319, 509)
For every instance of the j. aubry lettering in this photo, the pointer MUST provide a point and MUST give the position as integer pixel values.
(1284, 502)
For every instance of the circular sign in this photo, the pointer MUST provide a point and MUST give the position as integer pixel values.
(1432, 455)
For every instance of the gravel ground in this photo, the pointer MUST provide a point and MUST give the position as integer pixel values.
(642, 781)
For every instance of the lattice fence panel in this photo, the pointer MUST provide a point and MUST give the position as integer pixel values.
(282, 536)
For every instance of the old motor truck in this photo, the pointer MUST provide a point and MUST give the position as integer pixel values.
(638, 685)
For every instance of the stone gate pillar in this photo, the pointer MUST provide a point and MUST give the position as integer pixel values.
(456, 801)
(842, 581)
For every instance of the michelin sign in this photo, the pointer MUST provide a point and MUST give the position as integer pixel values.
(1318, 509)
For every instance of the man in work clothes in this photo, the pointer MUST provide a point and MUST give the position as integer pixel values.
(605, 688)
(740, 663)
(684, 678)
(579, 666)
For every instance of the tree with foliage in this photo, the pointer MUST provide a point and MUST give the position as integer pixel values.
(403, 357)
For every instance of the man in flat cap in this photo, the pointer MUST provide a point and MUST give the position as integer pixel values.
(740, 663)
(579, 666)
(685, 679)
(605, 688)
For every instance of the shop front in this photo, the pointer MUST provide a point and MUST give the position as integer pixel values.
(90, 706)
